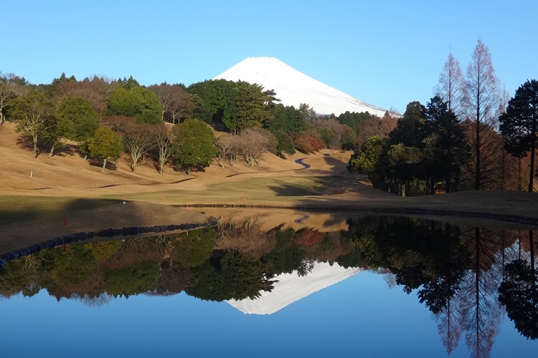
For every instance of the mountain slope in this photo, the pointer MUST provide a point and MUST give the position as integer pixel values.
(292, 287)
(293, 87)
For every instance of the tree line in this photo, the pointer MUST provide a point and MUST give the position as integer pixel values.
(169, 123)
(470, 135)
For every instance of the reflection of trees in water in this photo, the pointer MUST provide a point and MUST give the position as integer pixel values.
(96, 301)
(173, 278)
(456, 272)
(287, 257)
(139, 249)
(478, 297)
(519, 292)
(193, 249)
(231, 276)
(246, 237)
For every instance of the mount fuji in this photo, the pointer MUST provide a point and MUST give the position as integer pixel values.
(293, 87)
(291, 288)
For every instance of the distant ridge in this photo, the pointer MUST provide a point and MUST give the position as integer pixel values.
(292, 287)
(293, 87)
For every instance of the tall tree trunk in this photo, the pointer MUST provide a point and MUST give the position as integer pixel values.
(531, 174)
(104, 165)
(477, 147)
(519, 175)
(34, 151)
(51, 153)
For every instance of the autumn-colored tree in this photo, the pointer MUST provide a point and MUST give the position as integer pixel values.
(481, 100)
(352, 119)
(387, 124)
(308, 144)
(491, 152)
(32, 114)
(106, 144)
(330, 131)
(369, 128)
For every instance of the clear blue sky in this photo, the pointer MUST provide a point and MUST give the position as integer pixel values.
(387, 53)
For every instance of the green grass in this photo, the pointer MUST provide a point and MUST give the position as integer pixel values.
(259, 189)
(16, 209)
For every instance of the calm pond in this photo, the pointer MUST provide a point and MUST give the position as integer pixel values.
(279, 285)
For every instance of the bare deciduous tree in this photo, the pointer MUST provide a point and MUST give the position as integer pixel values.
(11, 87)
(32, 113)
(387, 124)
(137, 137)
(96, 90)
(254, 142)
(175, 102)
(481, 101)
(367, 129)
(451, 86)
(227, 147)
(163, 144)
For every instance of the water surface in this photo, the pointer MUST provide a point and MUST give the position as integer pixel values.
(372, 286)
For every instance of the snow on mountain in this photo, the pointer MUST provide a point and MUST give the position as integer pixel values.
(292, 287)
(293, 87)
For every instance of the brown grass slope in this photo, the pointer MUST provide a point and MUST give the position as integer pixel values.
(35, 194)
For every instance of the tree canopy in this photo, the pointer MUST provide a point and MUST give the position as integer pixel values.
(32, 113)
(105, 144)
(520, 122)
(138, 102)
(194, 144)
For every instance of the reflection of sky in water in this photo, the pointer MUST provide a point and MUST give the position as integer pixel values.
(360, 316)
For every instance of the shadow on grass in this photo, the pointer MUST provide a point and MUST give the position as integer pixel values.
(317, 186)
(19, 209)
(291, 190)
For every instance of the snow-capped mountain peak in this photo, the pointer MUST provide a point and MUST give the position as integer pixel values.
(293, 87)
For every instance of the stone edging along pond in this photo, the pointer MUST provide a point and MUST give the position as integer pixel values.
(403, 211)
(87, 235)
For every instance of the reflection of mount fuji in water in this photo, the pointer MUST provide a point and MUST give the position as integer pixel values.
(292, 287)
